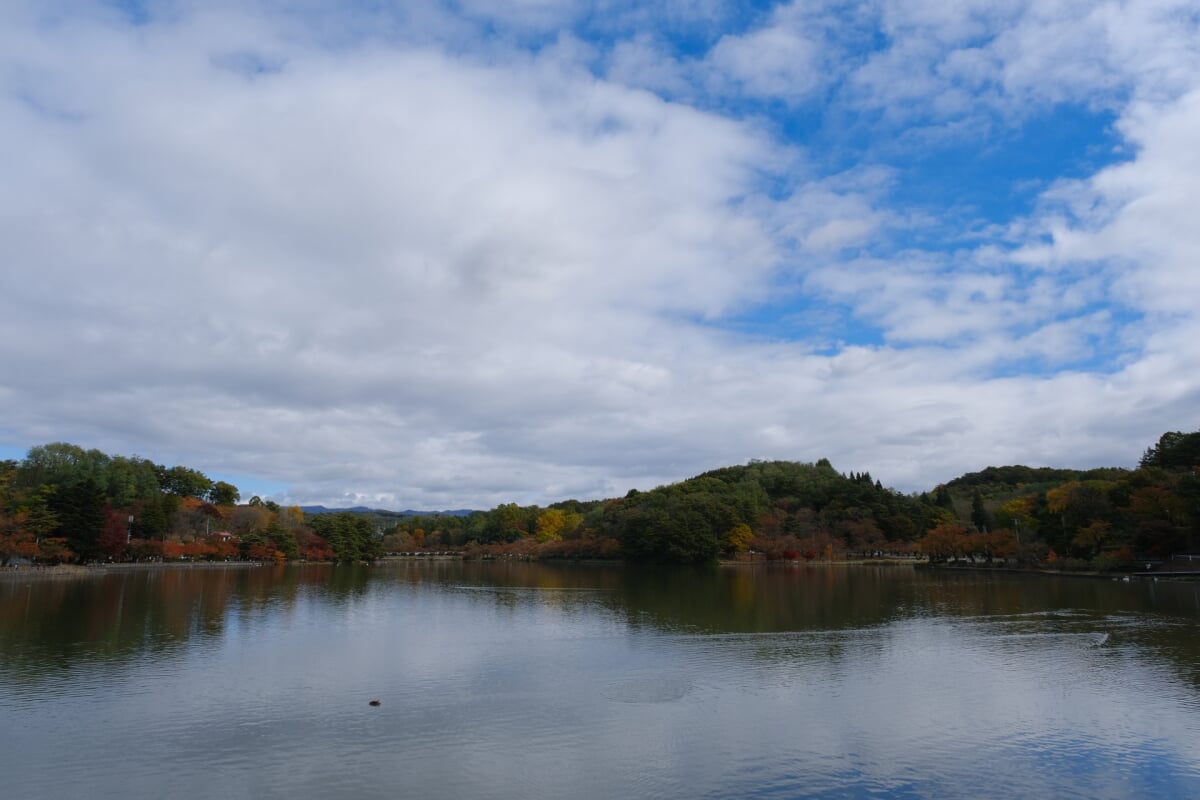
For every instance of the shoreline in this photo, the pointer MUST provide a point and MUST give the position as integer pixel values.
(1055, 573)
(64, 571)
(86, 570)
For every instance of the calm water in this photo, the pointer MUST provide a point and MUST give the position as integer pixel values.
(532, 681)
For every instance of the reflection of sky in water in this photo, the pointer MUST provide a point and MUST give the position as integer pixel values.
(930, 708)
(550, 691)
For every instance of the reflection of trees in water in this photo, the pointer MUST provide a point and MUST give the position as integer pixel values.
(51, 625)
(509, 586)
(1158, 618)
(764, 599)
(119, 616)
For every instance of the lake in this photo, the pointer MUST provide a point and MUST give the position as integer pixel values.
(518, 680)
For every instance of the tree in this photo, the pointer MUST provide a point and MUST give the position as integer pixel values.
(151, 517)
(184, 482)
(1174, 451)
(738, 538)
(80, 510)
(1077, 504)
(223, 494)
(1018, 512)
(313, 547)
(504, 524)
(1002, 544)
(1090, 540)
(979, 514)
(26, 524)
(245, 519)
(195, 517)
(129, 480)
(862, 535)
(550, 524)
(16, 539)
(257, 547)
(680, 536)
(283, 539)
(942, 498)
(943, 542)
(59, 463)
(351, 537)
(115, 535)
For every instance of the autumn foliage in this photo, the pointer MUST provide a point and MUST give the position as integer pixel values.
(65, 503)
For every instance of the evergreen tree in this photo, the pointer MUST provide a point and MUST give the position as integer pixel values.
(942, 498)
(80, 510)
(979, 515)
(1175, 451)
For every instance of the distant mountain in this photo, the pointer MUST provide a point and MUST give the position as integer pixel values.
(456, 512)
(324, 510)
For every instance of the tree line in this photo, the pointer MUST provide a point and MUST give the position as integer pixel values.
(778, 509)
(64, 503)
(1100, 519)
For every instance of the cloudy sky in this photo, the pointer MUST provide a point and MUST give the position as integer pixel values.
(413, 253)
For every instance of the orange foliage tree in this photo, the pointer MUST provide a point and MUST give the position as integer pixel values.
(944, 542)
(16, 540)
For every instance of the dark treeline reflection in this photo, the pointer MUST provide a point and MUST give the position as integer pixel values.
(787, 598)
(119, 616)
(64, 622)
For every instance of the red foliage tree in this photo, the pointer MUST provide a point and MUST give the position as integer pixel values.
(114, 537)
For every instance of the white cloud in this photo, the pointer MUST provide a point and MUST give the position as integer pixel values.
(774, 61)
(641, 62)
(390, 245)
(1020, 57)
(418, 268)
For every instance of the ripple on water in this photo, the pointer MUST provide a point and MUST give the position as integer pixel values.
(649, 688)
(524, 697)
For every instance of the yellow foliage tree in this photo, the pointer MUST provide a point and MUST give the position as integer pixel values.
(738, 538)
(1058, 498)
(1019, 511)
(550, 524)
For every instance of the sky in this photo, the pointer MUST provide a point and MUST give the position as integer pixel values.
(430, 254)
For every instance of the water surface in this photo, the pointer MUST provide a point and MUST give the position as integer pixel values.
(528, 680)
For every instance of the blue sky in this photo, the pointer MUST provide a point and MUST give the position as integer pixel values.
(447, 254)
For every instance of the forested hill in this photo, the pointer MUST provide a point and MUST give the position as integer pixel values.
(772, 506)
(1020, 476)
(1174, 451)
(66, 503)
(1089, 519)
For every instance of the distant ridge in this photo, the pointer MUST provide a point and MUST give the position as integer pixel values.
(456, 512)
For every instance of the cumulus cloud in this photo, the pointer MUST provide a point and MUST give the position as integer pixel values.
(408, 258)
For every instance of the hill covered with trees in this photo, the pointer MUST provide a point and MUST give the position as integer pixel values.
(1094, 519)
(64, 503)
